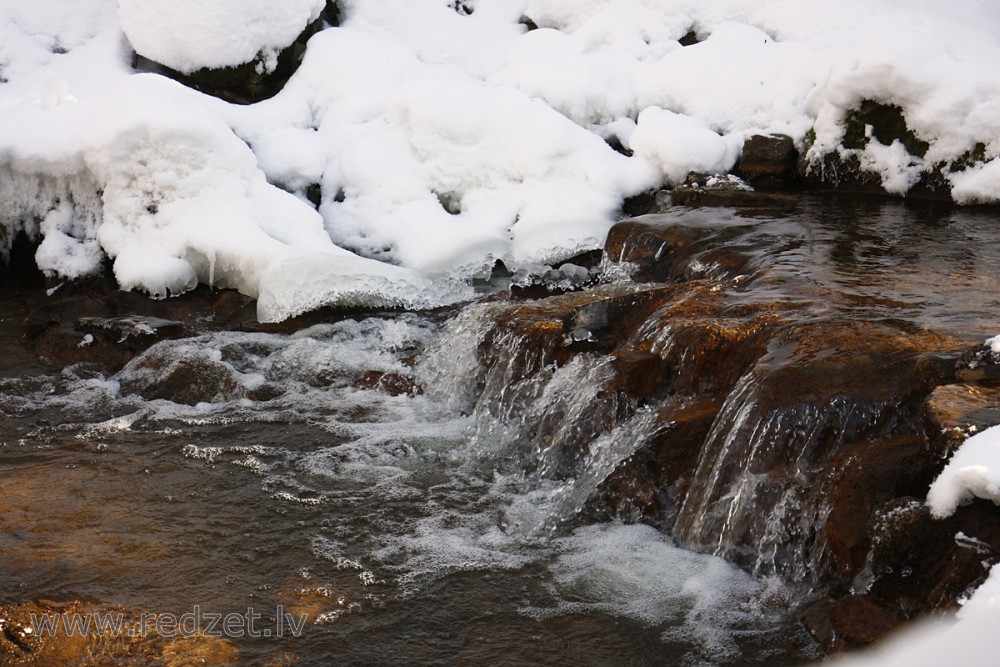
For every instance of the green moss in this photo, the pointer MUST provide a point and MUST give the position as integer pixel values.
(809, 141)
(969, 158)
(888, 125)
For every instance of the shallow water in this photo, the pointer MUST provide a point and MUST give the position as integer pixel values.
(410, 528)
(376, 515)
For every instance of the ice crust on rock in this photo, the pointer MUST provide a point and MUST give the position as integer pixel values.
(441, 141)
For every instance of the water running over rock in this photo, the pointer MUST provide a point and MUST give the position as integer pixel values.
(766, 386)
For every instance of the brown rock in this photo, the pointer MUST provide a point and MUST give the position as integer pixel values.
(980, 364)
(921, 564)
(394, 384)
(954, 412)
(859, 481)
(860, 621)
(189, 380)
(768, 160)
(25, 642)
(651, 484)
(725, 191)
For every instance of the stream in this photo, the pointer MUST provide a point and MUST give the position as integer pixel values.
(374, 475)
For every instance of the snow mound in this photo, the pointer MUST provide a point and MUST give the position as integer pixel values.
(972, 472)
(187, 35)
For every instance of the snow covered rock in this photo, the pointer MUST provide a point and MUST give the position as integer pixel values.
(188, 35)
(972, 472)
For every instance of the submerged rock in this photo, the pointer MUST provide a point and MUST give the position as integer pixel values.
(23, 641)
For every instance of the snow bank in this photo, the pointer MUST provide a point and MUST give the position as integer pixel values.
(972, 472)
(442, 139)
(188, 35)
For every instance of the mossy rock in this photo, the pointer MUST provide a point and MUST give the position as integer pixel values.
(888, 125)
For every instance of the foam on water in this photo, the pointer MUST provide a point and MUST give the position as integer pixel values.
(636, 571)
(406, 490)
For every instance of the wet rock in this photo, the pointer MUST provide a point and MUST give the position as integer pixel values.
(189, 380)
(121, 329)
(979, 364)
(562, 325)
(768, 161)
(707, 342)
(663, 248)
(917, 564)
(93, 321)
(316, 603)
(25, 642)
(824, 393)
(723, 190)
(815, 616)
(858, 482)
(859, 621)
(394, 384)
(645, 202)
(650, 485)
(952, 413)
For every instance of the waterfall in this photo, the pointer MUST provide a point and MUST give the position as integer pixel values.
(758, 495)
(561, 426)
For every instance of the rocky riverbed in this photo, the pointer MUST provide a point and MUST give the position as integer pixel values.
(775, 383)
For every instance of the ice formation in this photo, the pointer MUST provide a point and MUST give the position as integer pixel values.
(443, 137)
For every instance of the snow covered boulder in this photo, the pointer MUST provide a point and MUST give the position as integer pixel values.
(873, 148)
(242, 51)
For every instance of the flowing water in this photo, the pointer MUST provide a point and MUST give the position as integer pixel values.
(430, 527)
(404, 526)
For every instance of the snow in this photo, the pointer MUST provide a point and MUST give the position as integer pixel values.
(187, 35)
(994, 344)
(442, 141)
(972, 472)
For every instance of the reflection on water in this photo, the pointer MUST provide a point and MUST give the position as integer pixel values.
(388, 517)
